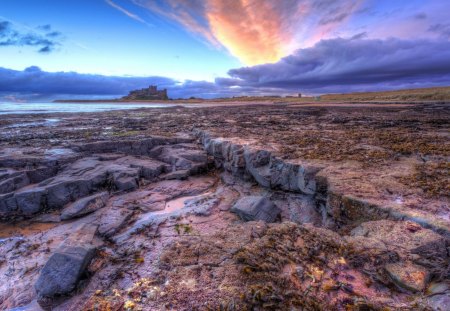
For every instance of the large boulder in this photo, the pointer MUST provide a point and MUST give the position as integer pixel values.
(65, 267)
(85, 206)
(256, 208)
(63, 270)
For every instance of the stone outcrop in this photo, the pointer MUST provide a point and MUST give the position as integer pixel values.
(104, 165)
(268, 170)
(337, 208)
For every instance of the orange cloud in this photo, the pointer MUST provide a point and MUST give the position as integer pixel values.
(254, 32)
(257, 31)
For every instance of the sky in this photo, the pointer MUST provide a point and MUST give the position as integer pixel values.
(218, 48)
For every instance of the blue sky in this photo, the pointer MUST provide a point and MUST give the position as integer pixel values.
(214, 48)
(97, 38)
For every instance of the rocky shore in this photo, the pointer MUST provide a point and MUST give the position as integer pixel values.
(258, 207)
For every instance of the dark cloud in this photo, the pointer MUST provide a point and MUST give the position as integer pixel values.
(34, 80)
(46, 41)
(359, 36)
(420, 16)
(35, 84)
(441, 29)
(338, 65)
(341, 64)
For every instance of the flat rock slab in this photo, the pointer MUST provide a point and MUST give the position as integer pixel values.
(85, 206)
(404, 236)
(256, 208)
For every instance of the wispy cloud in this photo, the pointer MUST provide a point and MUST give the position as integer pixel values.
(45, 39)
(260, 31)
(127, 13)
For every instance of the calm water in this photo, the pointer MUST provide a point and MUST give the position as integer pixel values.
(8, 108)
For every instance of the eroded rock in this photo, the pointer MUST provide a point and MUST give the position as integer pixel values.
(256, 208)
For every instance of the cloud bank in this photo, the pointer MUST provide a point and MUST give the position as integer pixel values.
(260, 31)
(45, 39)
(335, 65)
(341, 64)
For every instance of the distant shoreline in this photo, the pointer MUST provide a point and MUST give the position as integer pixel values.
(108, 101)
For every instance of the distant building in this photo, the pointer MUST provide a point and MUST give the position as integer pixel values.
(299, 95)
(150, 93)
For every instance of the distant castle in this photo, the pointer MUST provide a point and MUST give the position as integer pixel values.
(150, 93)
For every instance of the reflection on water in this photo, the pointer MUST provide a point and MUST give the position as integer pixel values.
(21, 108)
(46, 122)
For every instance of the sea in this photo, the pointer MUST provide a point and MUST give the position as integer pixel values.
(33, 108)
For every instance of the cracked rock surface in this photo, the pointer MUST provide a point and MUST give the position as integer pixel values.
(274, 207)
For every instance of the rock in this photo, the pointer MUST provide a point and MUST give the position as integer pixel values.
(30, 201)
(268, 170)
(180, 175)
(62, 192)
(61, 273)
(47, 218)
(125, 183)
(408, 276)
(65, 267)
(256, 208)
(258, 165)
(85, 206)
(113, 220)
(56, 182)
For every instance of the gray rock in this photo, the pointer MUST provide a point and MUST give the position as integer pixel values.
(125, 183)
(258, 165)
(113, 220)
(61, 273)
(268, 170)
(256, 208)
(180, 175)
(85, 206)
(30, 201)
(65, 267)
(62, 192)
